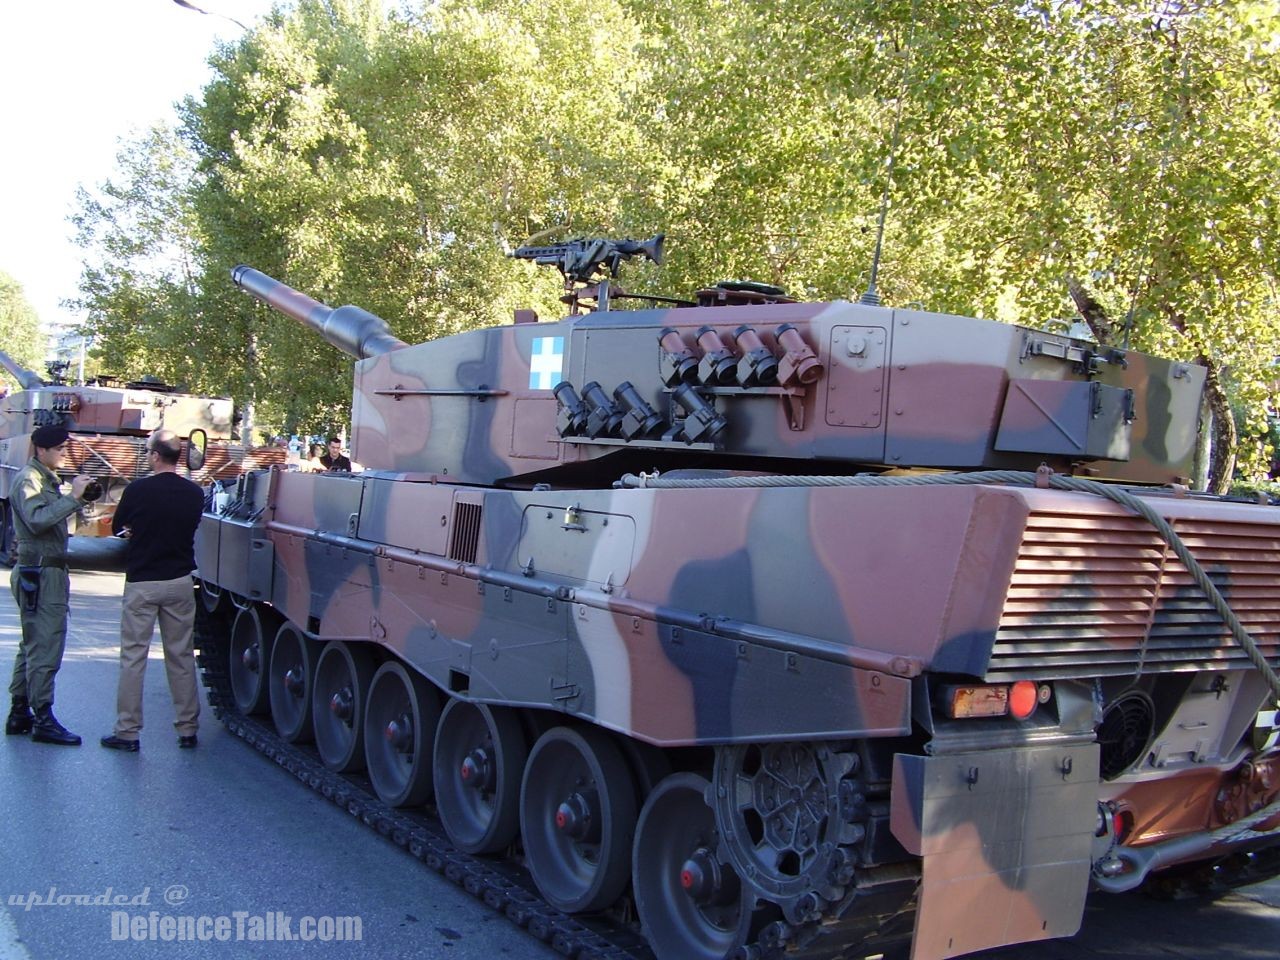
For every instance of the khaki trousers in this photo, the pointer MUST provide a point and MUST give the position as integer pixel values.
(173, 603)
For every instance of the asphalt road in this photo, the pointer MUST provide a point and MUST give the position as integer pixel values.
(221, 831)
(203, 833)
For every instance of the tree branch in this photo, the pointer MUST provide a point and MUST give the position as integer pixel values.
(1091, 310)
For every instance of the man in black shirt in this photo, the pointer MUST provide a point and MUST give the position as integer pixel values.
(158, 515)
(334, 460)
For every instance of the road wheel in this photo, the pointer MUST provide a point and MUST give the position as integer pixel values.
(290, 682)
(343, 676)
(690, 904)
(480, 753)
(578, 818)
(399, 728)
(252, 634)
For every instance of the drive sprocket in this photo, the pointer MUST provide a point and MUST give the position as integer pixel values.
(782, 823)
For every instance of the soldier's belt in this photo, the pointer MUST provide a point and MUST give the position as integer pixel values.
(53, 563)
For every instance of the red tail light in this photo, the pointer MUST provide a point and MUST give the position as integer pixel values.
(1024, 697)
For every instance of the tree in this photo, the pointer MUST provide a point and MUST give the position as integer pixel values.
(391, 162)
(1178, 203)
(138, 280)
(1112, 156)
(1124, 151)
(19, 329)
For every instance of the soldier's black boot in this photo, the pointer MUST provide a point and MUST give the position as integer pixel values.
(20, 717)
(47, 729)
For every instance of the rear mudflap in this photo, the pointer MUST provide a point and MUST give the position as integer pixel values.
(1005, 838)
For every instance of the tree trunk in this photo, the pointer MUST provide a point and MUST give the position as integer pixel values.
(246, 423)
(1223, 440)
(1204, 447)
(1222, 456)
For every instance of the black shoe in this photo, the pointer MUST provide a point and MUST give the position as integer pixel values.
(21, 719)
(187, 743)
(113, 742)
(47, 729)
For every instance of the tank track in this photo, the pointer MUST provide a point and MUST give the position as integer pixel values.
(507, 887)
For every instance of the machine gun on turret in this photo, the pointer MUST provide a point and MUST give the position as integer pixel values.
(582, 262)
(57, 370)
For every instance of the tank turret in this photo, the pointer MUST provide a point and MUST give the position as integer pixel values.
(799, 387)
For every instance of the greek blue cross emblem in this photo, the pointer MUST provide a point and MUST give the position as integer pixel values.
(546, 363)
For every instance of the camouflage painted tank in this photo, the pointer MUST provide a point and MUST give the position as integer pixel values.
(109, 423)
(796, 626)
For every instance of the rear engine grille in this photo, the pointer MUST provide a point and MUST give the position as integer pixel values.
(94, 455)
(1087, 589)
(124, 457)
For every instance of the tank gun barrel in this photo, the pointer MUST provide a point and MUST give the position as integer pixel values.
(26, 379)
(351, 329)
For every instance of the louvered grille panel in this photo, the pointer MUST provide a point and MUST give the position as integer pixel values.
(1087, 590)
(464, 540)
(124, 457)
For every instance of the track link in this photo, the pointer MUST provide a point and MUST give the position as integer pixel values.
(505, 886)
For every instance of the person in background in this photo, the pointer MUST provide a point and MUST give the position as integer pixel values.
(41, 585)
(158, 515)
(334, 460)
(316, 463)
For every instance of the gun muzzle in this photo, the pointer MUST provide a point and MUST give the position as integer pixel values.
(571, 412)
(702, 423)
(603, 419)
(756, 366)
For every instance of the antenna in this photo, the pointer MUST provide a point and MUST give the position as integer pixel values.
(870, 296)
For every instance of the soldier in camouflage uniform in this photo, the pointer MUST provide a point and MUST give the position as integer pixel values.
(41, 585)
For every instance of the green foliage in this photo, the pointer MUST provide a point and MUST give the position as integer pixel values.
(390, 159)
(138, 282)
(19, 330)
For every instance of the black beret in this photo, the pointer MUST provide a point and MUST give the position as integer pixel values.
(46, 437)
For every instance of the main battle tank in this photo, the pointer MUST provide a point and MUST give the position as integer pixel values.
(109, 422)
(776, 628)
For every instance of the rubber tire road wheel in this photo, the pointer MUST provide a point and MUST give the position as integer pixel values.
(675, 827)
(578, 818)
(249, 648)
(400, 720)
(480, 811)
(343, 675)
(290, 682)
